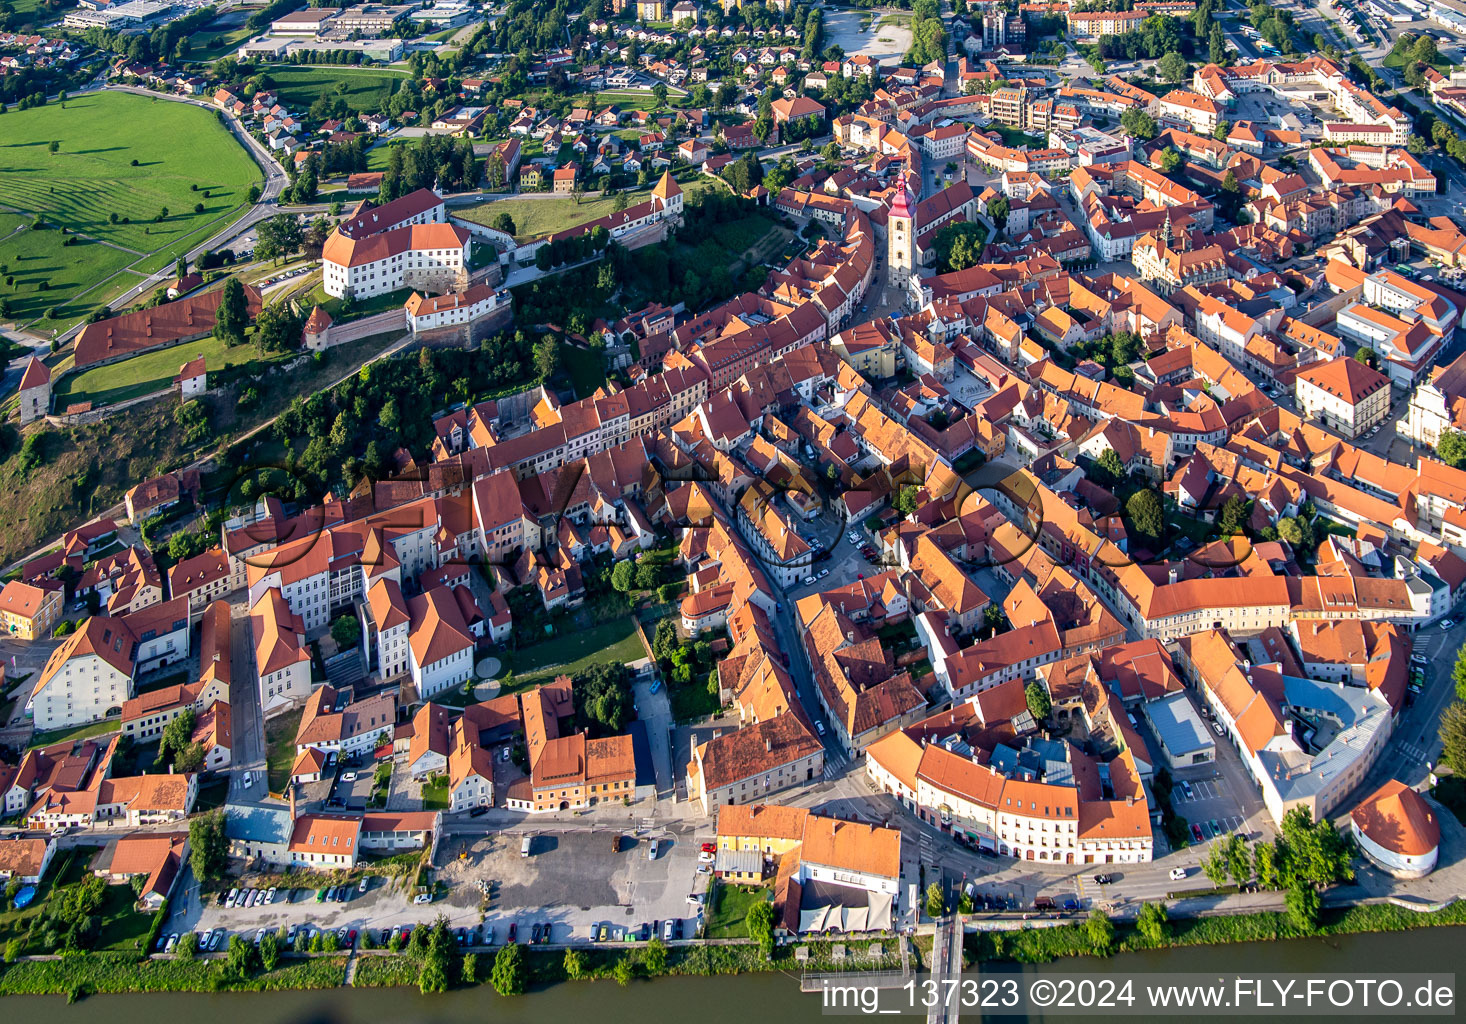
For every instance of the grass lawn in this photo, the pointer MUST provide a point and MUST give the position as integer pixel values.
(123, 928)
(1013, 137)
(80, 732)
(1395, 60)
(727, 921)
(535, 218)
(316, 296)
(377, 156)
(110, 161)
(150, 372)
(614, 641)
(34, 258)
(366, 89)
(435, 795)
(213, 43)
(280, 748)
(692, 700)
(581, 366)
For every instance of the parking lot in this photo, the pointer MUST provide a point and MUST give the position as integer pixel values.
(570, 881)
(1209, 806)
(573, 880)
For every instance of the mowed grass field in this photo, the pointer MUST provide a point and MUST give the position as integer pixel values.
(367, 89)
(535, 218)
(176, 146)
(148, 373)
(32, 258)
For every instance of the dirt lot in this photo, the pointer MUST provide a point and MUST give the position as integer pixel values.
(572, 878)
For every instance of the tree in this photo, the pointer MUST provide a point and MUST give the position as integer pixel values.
(574, 964)
(905, 499)
(1100, 931)
(1302, 902)
(1139, 124)
(233, 313)
(1452, 448)
(469, 972)
(936, 901)
(270, 950)
(277, 328)
(1152, 923)
(1169, 159)
(621, 575)
(1215, 865)
(433, 975)
(1173, 68)
(655, 957)
(188, 946)
(998, 210)
(1107, 470)
(1234, 515)
(1239, 859)
(1314, 851)
(208, 845)
(546, 357)
(510, 976)
(1222, 130)
(1297, 532)
(346, 630)
(959, 245)
(1265, 857)
(759, 920)
(622, 972)
(1230, 183)
(55, 147)
(1039, 704)
(278, 237)
(242, 959)
(505, 223)
(1425, 51)
(1146, 515)
(1216, 45)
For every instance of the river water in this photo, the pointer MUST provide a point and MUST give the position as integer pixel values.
(743, 999)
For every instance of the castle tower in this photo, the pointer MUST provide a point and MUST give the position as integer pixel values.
(670, 193)
(900, 237)
(35, 391)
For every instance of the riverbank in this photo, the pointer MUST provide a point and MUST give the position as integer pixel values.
(83, 974)
(1045, 945)
(76, 975)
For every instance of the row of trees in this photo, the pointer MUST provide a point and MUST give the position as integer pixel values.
(1306, 856)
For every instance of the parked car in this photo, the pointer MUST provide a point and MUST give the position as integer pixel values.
(232, 898)
(1071, 904)
(709, 848)
(1045, 903)
(667, 930)
(363, 886)
(595, 933)
(423, 897)
(651, 852)
(172, 941)
(677, 928)
(534, 934)
(545, 931)
(513, 931)
(1196, 833)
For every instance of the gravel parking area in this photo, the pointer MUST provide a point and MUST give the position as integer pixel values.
(572, 879)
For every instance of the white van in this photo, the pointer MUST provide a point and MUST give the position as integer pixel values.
(524, 845)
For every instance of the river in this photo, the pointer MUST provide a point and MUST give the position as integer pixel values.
(767, 998)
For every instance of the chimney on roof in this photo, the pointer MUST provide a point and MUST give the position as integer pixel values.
(1130, 800)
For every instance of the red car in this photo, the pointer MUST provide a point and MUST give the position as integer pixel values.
(351, 938)
(709, 848)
